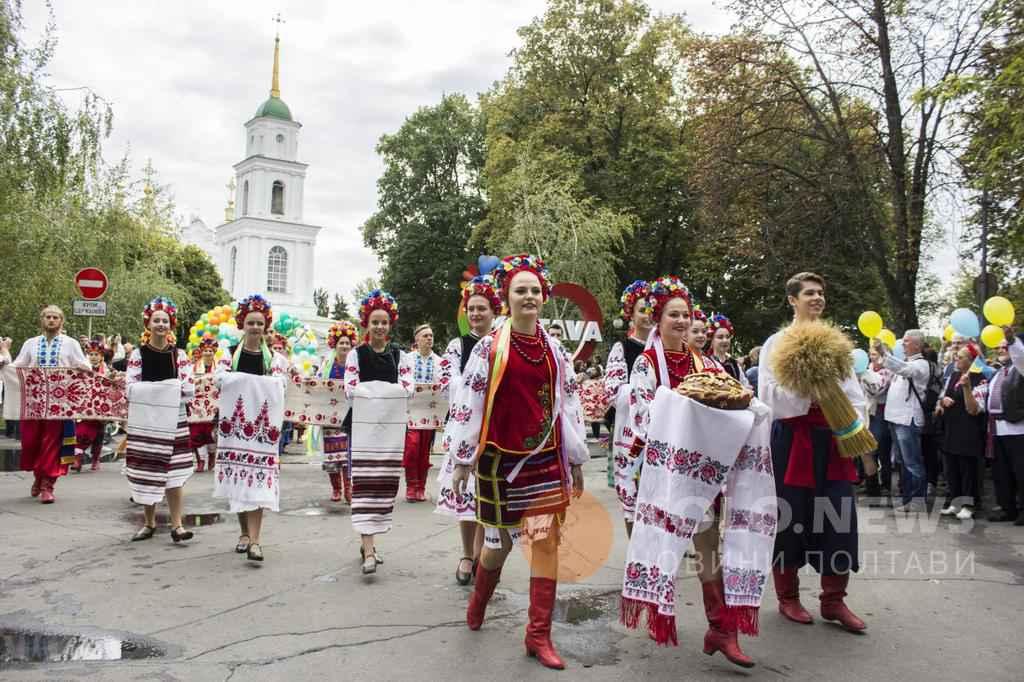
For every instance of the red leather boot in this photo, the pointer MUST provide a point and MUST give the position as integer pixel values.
(335, 487)
(46, 491)
(346, 479)
(37, 486)
(718, 637)
(411, 484)
(200, 464)
(833, 589)
(787, 589)
(538, 628)
(482, 590)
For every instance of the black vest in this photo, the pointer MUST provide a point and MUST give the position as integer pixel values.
(248, 363)
(469, 342)
(159, 365)
(631, 349)
(733, 368)
(1013, 396)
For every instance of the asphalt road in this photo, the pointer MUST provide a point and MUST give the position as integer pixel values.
(942, 600)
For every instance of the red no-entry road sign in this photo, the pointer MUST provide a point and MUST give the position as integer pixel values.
(92, 283)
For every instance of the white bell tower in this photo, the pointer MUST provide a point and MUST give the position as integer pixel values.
(267, 248)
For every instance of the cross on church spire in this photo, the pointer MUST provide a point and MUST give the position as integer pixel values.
(275, 80)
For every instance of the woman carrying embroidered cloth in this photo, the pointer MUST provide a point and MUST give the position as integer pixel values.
(691, 454)
(376, 422)
(159, 384)
(482, 305)
(636, 312)
(516, 423)
(89, 432)
(342, 337)
(200, 434)
(250, 413)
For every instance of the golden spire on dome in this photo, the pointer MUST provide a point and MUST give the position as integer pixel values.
(275, 81)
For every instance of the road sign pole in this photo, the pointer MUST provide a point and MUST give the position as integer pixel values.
(90, 329)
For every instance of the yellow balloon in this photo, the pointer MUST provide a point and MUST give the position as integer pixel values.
(869, 323)
(998, 311)
(200, 325)
(888, 338)
(947, 334)
(992, 336)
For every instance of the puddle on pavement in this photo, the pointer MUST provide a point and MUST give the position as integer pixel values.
(306, 511)
(26, 645)
(582, 625)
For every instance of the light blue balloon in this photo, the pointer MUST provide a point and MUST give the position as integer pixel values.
(860, 361)
(486, 264)
(965, 323)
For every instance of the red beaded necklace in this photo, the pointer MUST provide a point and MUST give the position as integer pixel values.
(679, 364)
(530, 348)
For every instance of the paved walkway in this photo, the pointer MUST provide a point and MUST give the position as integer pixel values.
(942, 600)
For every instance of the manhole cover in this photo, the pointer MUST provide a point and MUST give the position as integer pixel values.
(26, 645)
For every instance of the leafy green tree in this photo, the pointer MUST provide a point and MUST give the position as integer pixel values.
(429, 199)
(320, 301)
(340, 309)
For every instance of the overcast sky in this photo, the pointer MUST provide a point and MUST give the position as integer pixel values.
(183, 78)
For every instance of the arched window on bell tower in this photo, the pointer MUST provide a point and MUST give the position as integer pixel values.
(245, 198)
(277, 198)
(277, 270)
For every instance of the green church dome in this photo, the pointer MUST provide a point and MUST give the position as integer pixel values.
(275, 108)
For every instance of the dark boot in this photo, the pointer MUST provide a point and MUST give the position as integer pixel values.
(211, 459)
(538, 627)
(335, 487)
(721, 636)
(97, 451)
(482, 591)
(200, 464)
(37, 486)
(787, 589)
(833, 589)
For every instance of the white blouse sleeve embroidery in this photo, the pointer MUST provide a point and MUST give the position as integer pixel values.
(462, 434)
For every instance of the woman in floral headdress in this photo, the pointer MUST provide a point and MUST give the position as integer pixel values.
(89, 432)
(482, 305)
(516, 424)
(342, 337)
(697, 337)
(201, 433)
(430, 372)
(720, 332)
(248, 472)
(159, 458)
(673, 353)
(376, 466)
(636, 312)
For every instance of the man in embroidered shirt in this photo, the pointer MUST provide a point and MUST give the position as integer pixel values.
(811, 480)
(41, 439)
(904, 411)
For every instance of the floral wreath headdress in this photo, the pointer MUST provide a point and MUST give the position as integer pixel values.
(253, 304)
(95, 346)
(339, 330)
(160, 303)
(635, 293)
(510, 266)
(719, 321)
(377, 300)
(482, 285)
(698, 315)
(664, 289)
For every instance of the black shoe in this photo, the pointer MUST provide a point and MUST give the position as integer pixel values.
(144, 533)
(1019, 520)
(242, 547)
(183, 535)
(1002, 517)
(464, 578)
(255, 553)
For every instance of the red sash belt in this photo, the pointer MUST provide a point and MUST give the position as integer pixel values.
(800, 470)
